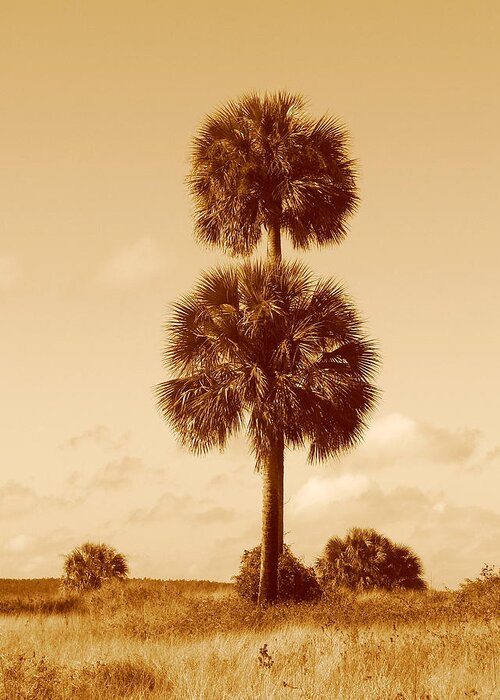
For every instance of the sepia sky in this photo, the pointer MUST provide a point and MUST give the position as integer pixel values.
(99, 102)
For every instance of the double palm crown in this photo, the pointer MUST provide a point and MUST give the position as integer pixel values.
(262, 163)
(270, 345)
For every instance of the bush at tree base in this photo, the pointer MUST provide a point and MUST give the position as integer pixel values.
(296, 582)
(87, 567)
(365, 559)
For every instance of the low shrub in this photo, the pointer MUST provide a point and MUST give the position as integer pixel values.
(296, 582)
(87, 567)
(365, 559)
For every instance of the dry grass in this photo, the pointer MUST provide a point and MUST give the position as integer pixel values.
(196, 640)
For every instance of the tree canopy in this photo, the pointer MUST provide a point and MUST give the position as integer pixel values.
(273, 347)
(260, 163)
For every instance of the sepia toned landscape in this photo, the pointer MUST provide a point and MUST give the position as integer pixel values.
(196, 639)
(249, 299)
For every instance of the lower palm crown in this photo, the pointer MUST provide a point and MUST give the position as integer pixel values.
(270, 345)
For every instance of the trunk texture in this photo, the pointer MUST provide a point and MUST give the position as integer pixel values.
(274, 244)
(274, 257)
(272, 482)
(280, 457)
(272, 524)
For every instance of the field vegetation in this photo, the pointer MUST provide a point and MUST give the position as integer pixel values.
(192, 640)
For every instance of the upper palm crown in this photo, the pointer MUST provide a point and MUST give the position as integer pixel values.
(272, 344)
(262, 162)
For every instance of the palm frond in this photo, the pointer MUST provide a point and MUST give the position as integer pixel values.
(205, 410)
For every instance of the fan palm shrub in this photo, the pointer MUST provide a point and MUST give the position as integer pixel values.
(268, 348)
(263, 164)
(365, 559)
(87, 567)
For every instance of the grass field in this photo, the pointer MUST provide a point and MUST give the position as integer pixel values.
(192, 640)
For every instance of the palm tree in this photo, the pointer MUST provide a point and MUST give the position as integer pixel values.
(88, 566)
(262, 163)
(270, 347)
(366, 559)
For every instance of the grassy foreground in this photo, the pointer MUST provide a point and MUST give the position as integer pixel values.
(197, 640)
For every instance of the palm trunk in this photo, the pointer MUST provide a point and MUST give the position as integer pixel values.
(280, 458)
(272, 523)
(274, 257)
(274, 244)
(273, 482)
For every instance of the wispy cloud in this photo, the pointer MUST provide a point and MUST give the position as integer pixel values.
(134, 264)
(18, 543)
(32, 554)
(98, 435)
(10, 272)
(15, 498)
(214, 515)
(167, 507)
(170, 506)
(219, 480)
(489, 461)
(117, 473)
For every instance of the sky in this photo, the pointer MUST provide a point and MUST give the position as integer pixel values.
(100, 102)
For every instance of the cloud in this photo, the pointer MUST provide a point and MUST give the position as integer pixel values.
(134, 264)
(168, 506)
(18, 543)
(487, 462)
(395, 437)
(98, 435)
(224, 554)
(116, 474)
(214, 515)
(452, 540)
(16, 499)
(9, 272)
(321, 491)
(455, 541)
(219, 480)
(35, 555)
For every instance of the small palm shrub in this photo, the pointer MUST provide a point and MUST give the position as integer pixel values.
(365, 559)
(296, 582)
(88, 566)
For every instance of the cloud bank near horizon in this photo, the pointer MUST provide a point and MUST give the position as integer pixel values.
(414, 482)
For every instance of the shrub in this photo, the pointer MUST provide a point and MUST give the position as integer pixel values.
(482, 594)
(488, 579)
(88, 566)
(296, 582)
(365, 559)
